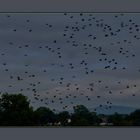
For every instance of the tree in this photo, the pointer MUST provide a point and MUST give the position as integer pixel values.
(15, 110)
(118, 119)
(63, 117)
(45, 116)
(81, 116)
(95, 120)
(135, 118)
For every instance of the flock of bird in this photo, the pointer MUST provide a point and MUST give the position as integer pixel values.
(62, 60)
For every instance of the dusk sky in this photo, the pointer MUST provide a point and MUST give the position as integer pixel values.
(60, 60)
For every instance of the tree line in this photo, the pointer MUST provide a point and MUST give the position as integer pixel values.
(15, 110)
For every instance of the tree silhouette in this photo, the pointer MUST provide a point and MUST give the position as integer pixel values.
(63, 118)
(15, 110)
(135, 118)
(82, 116)
(45, 116)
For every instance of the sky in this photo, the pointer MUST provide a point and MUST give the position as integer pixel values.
(60, 60)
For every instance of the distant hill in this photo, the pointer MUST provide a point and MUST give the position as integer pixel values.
(113, 109)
